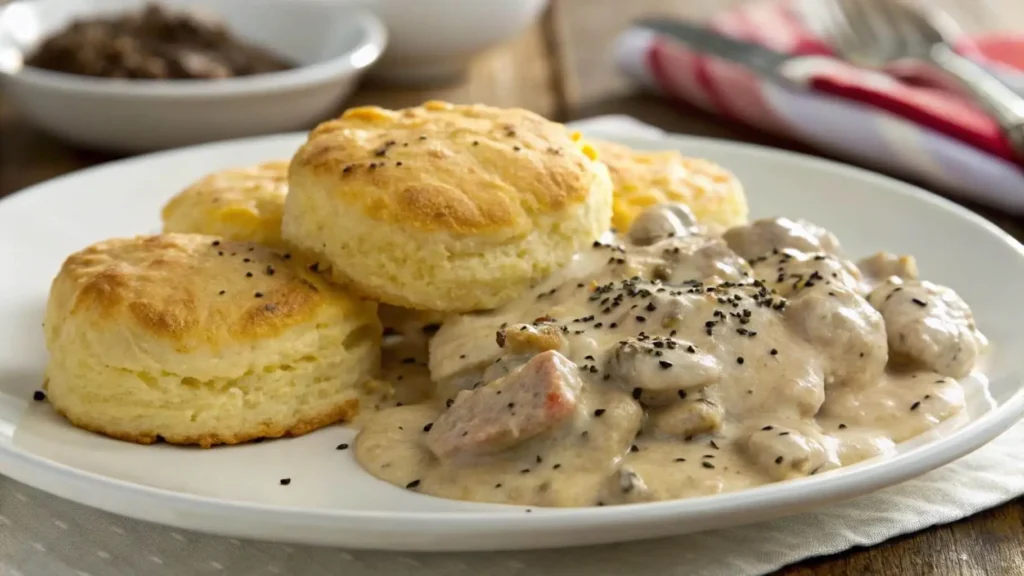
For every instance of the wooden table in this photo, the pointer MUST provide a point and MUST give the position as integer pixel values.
(561, 68)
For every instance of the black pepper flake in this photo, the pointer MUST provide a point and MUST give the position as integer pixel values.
(682, 394)
(346, 169)
(767, 428)
(842, 426)
(246, 260)
(691, 349)
(556, 466)
(919, 302)
(215, 243)
(476, 142)
(341, 447)
(220, 253)
(599, 412)
(516, 148)
(783, 433)
(680, 460)
(248, 274)
(773, 352)
(428, 426)
(498, 485)
(779, 460)
(222, 292)
(39, 395)
(258, 295)
(270, 270)
(915, 405)
(637, 392)
(665, 364)
(641, 319)
(739, 360)
(707, 464)
(314, 267)
(286, 481)
(634, 448)
(448, 403)
(413, 484)
(524, 471)
(713, 445)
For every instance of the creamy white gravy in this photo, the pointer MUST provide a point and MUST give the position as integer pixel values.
(672, 363)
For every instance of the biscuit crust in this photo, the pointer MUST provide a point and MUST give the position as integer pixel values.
(644, 178)
(199, 340)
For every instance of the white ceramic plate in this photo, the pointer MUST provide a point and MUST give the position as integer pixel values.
(235, 491)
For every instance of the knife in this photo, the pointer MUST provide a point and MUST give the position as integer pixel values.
(771, 64)
(786, 69)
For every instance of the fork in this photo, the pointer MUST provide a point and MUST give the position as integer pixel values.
(877, 33)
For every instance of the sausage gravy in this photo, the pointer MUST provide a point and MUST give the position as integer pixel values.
(671, 363)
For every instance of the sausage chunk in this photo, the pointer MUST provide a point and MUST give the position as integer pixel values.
(789, 271)
(687, 419)
(660, 376)
(763, 236)
(784, 453)
(533, 399)
(929, 326)
(662, 221)
(846, 328)
(624, 486)
(883, 265)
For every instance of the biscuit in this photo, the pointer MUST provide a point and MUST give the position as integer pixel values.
(444, 207)
(644, 178)
(243, 204)
(196, 340)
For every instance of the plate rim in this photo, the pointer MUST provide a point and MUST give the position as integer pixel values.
(69, 482)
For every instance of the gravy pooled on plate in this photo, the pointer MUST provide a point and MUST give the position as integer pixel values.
(671, 363)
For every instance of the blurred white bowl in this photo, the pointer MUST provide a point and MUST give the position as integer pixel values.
(433, 41)
(332, 44)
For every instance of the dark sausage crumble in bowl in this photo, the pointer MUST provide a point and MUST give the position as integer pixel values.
(154, 44)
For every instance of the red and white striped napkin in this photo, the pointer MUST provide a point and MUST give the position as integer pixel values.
(908, 126)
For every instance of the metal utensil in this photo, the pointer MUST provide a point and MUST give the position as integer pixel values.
(875, 33)
(771, 64)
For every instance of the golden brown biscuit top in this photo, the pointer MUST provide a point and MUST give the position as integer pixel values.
(643, 178)
(190, 289)
(258, 190)
(458, 168)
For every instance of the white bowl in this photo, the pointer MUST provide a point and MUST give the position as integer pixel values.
(434, 41)
(331, 42)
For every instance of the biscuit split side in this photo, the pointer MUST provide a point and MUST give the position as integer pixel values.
(444, 207)
(196, 340)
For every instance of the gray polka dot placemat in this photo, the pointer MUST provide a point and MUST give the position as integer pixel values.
(41, 535)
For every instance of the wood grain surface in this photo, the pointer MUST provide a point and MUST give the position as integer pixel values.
(562, 68)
